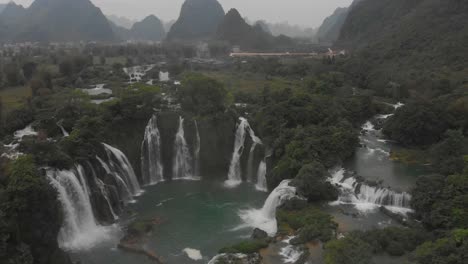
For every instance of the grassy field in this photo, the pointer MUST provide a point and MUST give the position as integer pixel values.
(250, 83)
(14, 97)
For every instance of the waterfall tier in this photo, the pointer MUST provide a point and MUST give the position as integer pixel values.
(182, 165)
(197, 150)
(80, 229)
(265, 218)
(151, 164)
(235, 170)
(121, 165)
(366, 198)
(261, 177)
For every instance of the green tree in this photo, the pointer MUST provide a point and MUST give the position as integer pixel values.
(349, 250)
(447, 156)
(312, 183)
(203, 95)
(448, 250)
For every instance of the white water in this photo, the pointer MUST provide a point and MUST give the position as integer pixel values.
(261, 177)
(289, 253)
(124, 168)
(136, 73)
(124, 191)
(215, 259)
(265, 218)
(193, 253)
(164, 76)
(97, 90)
(80, 230)
(234, 175)
(182, 166)
(255, 141)
(151, 164)
(10, 151)
(64, 132)
(197, 150)
(367, 198)
(27, 131)
(105, 194)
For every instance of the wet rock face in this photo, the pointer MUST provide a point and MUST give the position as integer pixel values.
(259, 234)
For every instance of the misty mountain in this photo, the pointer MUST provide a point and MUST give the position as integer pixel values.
(330, 29)
(199, 19)
(2, 6)
(236, 31)
(122, 21)
(395, 40)
(61, 20)
(149, 29)
(168, 24)
(12, 12)
(293, 31)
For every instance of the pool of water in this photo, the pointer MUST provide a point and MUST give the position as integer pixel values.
(198, 216)
(372, 161)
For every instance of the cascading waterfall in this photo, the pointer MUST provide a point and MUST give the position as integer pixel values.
(124, 191)
(151, 164)
(80, 229)
(366, 198)
(64, 132)
(234, 175)
(290, 253)
(261, 177)
(265, 218)
(182, 168)
(102, 188)
(197, 150)
(255, 141)
(124, 168)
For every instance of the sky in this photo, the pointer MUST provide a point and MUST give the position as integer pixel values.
(309, 13)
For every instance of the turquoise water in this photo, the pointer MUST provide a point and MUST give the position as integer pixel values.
(199, 215)
(372, 161)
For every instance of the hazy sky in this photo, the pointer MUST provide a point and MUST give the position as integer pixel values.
(302, 12)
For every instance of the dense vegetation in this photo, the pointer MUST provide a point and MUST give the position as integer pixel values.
(308, 111)
(402, 48)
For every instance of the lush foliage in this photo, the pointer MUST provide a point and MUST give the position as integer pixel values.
(309, 223)
(202, 95)
(442, 201)
(349, 250)
(449, 250)
(312, 183)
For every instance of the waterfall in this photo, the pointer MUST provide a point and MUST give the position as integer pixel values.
(64, 132)
(123, 168)
(151, 165)
(197, 150)
(182, 168)
(290, 253)
(366, 198)
(80, 230)
(121, 184)
(255, 141)
(105, 194)
(265, 218)
(261, 177)
(234, 175)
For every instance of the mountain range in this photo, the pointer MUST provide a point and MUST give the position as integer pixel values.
(55, 20)
(149, 29)
(236, 31)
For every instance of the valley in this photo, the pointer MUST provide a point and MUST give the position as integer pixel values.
(216, 141)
